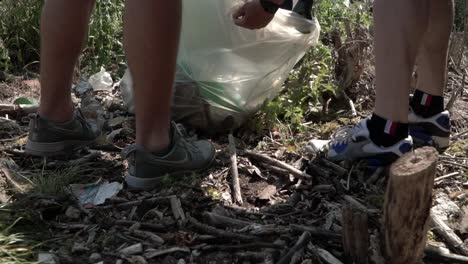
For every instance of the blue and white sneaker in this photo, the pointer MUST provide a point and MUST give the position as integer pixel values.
(432, 131)
(354, 143)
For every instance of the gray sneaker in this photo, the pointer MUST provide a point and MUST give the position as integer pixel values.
(146, 170)
(47, 138)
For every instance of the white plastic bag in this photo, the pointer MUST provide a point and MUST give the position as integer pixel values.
(225, 72)
(101, 81)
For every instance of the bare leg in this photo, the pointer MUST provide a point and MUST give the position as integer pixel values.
(64, 26)
(396, 45)
(432, 63)
(151, 41)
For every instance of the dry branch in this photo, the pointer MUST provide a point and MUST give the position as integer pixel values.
(442, 255)
(317, 232)
(236, 190)
(301, 242)
(445, 232)
(177, 210)
(218, 232)
(223, 221)
(295, 172)
(12, 109)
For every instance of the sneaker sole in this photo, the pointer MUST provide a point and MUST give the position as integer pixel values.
(147, 184)
(440, 143)
(54, 148)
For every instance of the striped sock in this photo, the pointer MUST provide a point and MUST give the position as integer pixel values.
(426, 105)
(386, 133)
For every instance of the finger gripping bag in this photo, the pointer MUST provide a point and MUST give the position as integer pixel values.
(224, 72)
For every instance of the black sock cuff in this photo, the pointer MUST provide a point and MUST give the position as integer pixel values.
(426, 105)
(384, 132)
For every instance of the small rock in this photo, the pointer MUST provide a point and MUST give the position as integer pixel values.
(117, 121)
(34, 85)
(267, 192)
(95, 257)
(280, 152)
(113, 134)
(134, 227)
(82, 87)
(133, 249)
(445, 208)
(181, 261)
(137, 260)
(73, 213)
(47, 258)
(79, 247)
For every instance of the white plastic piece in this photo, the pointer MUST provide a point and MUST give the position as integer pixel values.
(101, 81)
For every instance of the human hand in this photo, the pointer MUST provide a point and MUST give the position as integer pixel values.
(252, 15)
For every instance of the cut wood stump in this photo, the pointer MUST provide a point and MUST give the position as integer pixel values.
(407, 206)
(355, 236)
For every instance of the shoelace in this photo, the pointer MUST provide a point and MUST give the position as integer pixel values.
(343, 135)
(185, 141)
(79, 115)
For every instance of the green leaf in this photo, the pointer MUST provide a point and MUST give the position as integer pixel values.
(25, 101)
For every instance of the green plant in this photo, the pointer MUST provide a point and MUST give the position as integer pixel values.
(19, 34)
(460, 15)
(105, 48)
(314, 77)
(15, 248)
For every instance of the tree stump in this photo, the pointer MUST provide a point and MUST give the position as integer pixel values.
(408, 201)
(355, 236)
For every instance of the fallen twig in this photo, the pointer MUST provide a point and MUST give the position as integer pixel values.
(355, 203)
(351, 105)
(243, 246)
(317, 232)
(11, 180)
(443, 230)
(455, 93)
(443, 255)
(340, 171)
(301, 243)
(157, 253)
(177, 210)
(147, 226)
(465, 167)
(236, 190)
(275, 170)
(223, 221)
(325, 255)
(218, 232)
(295, 172)
(133, 203)
(456, 136)
(375, 176)
(439, 179)
(13, 109)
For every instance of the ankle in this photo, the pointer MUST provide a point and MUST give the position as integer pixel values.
(159, 145)
(386, 133)
(58, 113)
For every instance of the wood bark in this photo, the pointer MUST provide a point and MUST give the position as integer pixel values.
(407, 205)
(355, 236)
